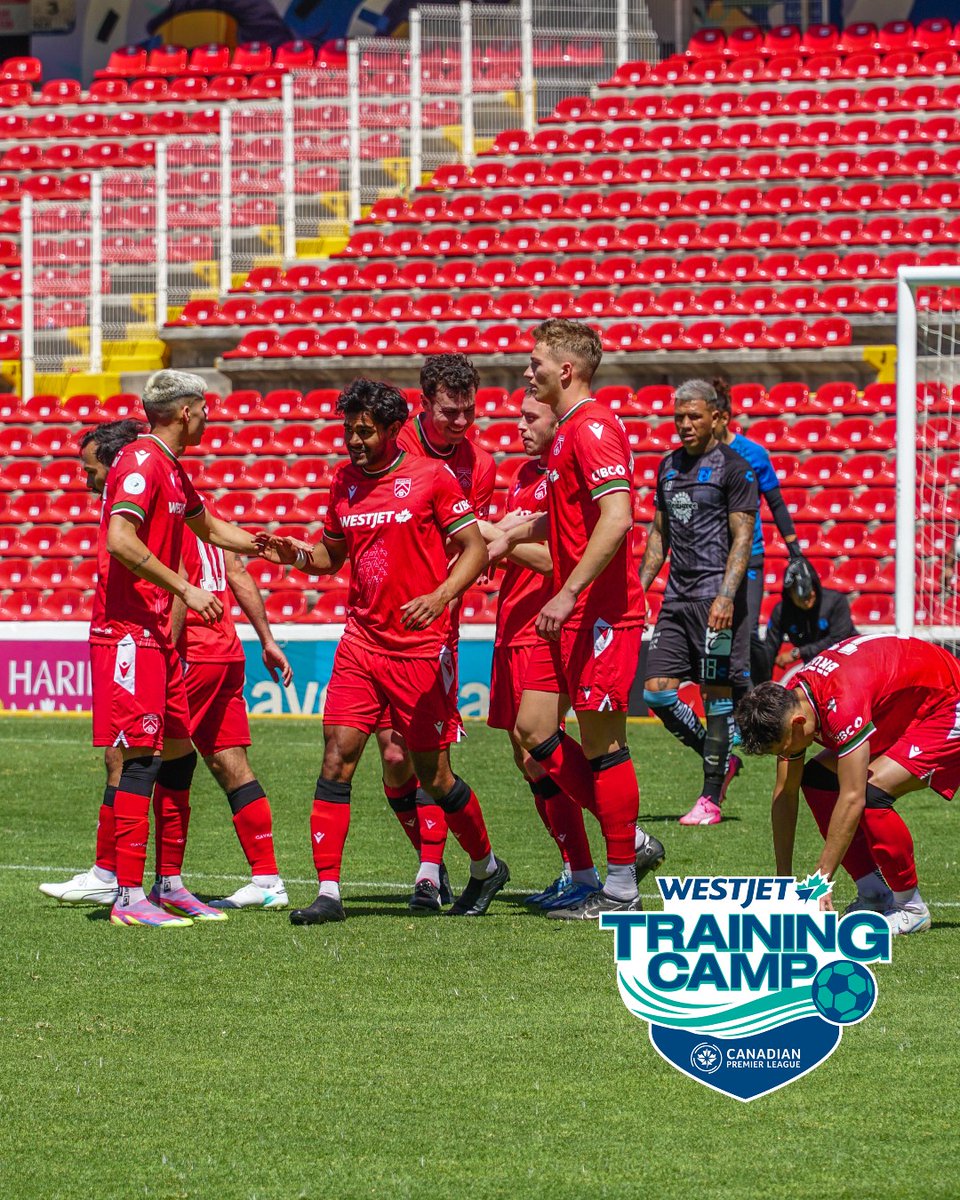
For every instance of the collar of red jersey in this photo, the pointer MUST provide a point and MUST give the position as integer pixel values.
(431, 448)
(152, 437)
(576, 408)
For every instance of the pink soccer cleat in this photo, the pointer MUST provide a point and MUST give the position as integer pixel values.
(704, 812)
(185, 904)
(145, 913)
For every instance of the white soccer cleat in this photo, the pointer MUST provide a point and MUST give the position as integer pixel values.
(85, 888)
(908, 918)
(251, 895)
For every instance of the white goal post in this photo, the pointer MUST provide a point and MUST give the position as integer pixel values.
(928, 453)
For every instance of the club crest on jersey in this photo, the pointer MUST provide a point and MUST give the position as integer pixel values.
(151, 724)
(464, 477)
(401, 488)
(602, 636)
(558, 444)
(541, 490)
(744, 983)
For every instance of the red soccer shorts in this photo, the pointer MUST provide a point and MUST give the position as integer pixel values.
(139, 697)
(218, 714)
(594, 666)
(414, 696)
(512, 673)
(930, 749)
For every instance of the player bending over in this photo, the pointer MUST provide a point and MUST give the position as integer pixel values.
(886, 711)
(212, 656)
(526, 585)
(392, 514)
(590, 629)
(706, 507)
(139, 695)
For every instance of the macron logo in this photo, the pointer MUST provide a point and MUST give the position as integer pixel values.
(318, 837)
(141, 456)
(914, 751)
(596, 428)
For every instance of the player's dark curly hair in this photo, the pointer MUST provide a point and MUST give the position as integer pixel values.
(721, 386)
(762, 715)
(382, 401)
(111, 437)
(455, 373)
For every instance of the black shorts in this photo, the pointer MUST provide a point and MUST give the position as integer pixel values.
(679, 647)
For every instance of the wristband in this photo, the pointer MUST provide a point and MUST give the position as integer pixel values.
(792, 757)
(303, 559)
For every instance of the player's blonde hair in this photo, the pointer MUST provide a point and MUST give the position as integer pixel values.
(571, 339)
(165, 391)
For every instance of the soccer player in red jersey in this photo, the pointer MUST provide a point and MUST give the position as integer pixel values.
(886, 711)
(139, 697)
(592, 626)
(526, 585)
(441, 433)
(217, 713)
(393, 515)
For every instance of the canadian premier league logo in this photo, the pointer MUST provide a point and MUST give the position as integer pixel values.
(745, 984)
(401, 488)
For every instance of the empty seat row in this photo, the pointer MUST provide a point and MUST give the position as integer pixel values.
(929, 34)
(134, 62)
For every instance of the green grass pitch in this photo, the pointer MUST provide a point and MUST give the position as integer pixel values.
(396, 1057)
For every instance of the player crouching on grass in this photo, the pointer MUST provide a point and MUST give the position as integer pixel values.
(392, 515)
(139, 696)
(213, 661)
(887, 712)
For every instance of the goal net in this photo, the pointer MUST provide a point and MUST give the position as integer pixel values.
(928, 453)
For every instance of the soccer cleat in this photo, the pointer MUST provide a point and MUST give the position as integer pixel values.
(475, 898)
(734, 767)
(185, 904)
(425, 898)
(575, 894)
(145, 913)
(446, 891)
(908, 918)
(562, 882)
(252, 895)
(704, 812)
(322, 910)
(650, 853)
(595, 904)
(878, 904)
(85, 888)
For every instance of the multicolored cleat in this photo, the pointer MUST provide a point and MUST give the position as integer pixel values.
(575, 894)
(182, 903)
(145, 913)
(553, 890)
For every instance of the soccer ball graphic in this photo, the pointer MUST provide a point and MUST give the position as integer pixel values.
(844, 992)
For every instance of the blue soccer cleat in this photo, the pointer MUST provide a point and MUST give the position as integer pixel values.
(562, 881)
(575, 894)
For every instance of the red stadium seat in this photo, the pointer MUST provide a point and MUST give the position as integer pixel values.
(872, 610)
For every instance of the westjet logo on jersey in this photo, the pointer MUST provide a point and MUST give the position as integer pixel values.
(176, 506)
(371, 520)
(744, 983)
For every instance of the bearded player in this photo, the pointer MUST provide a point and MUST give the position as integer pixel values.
(440, 432)
(139, 696)
(590, 629)
(887, 712)
(526, 585)
(218, 720)
(393, 515)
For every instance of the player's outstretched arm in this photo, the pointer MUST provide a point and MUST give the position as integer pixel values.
(471, 562)
(326, 558)
(220, 533)
(251, 602)
(613, 525)
(513, 534)
(783, 812)
(852, 772)
(741, 543)
(655, 553)
(124, 544)
(533, 555)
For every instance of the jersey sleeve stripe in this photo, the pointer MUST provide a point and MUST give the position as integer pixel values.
(460, 523)
(610, 485)
(857, 742)
(330, 536)
(128, 506)
(194, 512)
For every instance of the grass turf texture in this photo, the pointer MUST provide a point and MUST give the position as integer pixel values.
(397, 1057)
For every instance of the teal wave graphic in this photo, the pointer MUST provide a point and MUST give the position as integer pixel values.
(725, 1020)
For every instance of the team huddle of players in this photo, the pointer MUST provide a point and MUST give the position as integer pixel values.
(168, 676)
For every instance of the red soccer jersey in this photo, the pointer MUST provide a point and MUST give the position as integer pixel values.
(872, 688)
(395, 525)
(147, 483)
(200, 642)
(474, 468)
(589, 459)
(523, 592)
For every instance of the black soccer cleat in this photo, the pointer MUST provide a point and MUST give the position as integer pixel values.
(475, 898)
(425, 898)
(650, 854)
(322, 910)
(446, 891)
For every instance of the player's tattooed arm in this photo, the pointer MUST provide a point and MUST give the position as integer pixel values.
(741, 543)
(783, 813)
(655, 554)
(124, 544)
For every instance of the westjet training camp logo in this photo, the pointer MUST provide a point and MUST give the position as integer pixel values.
(745, 984)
